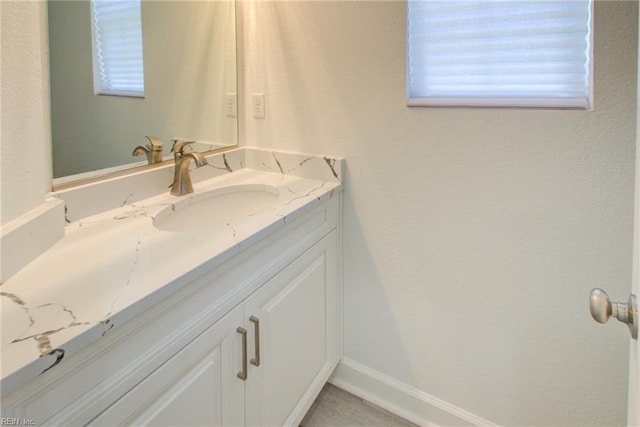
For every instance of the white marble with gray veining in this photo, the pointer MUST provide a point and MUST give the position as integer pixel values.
(113, 264)
(85, 200)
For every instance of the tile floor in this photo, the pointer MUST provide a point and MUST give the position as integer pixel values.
(336, 407)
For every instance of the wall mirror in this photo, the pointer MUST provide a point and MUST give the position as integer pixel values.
(190, 86)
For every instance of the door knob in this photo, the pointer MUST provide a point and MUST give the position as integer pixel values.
(602, 308)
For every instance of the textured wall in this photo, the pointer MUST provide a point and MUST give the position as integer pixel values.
(472, 237)
(25, 172)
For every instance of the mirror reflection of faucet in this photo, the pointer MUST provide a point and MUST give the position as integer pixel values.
(153, 150)
(181, 179)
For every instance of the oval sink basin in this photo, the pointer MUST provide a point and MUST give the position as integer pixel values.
(217, 208)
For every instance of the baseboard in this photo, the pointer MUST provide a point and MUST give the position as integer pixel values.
(399, 398)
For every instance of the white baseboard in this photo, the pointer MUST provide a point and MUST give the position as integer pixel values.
(399, 398)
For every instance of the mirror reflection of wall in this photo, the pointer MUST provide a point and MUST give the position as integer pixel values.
(189, 51)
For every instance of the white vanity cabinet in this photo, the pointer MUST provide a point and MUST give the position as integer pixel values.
(250, 342)
(282, 351)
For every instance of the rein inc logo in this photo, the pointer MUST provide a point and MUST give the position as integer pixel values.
(15, 421)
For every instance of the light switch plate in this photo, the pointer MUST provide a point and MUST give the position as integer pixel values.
(258, 105)
(231, 104)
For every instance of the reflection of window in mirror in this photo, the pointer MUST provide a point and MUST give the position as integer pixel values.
(117, 47)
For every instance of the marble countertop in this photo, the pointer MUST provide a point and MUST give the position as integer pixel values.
(113, 265)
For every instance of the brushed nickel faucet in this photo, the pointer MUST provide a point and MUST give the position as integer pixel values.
(181, 178)
(153, 150)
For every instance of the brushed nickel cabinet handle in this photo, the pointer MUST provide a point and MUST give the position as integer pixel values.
(256, 326)
(243, 374)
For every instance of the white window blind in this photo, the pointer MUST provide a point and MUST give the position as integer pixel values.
(497, 53)
(117, 47)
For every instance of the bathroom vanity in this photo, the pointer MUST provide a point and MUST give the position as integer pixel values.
(222, 307)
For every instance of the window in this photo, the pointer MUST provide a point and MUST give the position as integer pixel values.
(117, 47)
(497, 53)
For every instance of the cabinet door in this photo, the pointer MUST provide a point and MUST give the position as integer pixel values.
(296, 315)
(198, 386)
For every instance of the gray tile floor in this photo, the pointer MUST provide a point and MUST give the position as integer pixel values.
(336, 407)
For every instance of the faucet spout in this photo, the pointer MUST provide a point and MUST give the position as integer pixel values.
(198, 158)
(153, 150)
(142, 149)
(181, 177)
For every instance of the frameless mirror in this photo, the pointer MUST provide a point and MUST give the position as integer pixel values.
(190, 86)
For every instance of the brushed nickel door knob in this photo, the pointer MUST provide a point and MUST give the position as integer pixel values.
(602, 308)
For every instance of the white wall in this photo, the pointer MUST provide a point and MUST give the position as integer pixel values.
(25, 174)
(190, 63)
(472, 237)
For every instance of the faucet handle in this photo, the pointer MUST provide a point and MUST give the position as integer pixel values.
(154, 143)
(178, 146)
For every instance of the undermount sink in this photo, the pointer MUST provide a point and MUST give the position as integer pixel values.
(217, 208)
